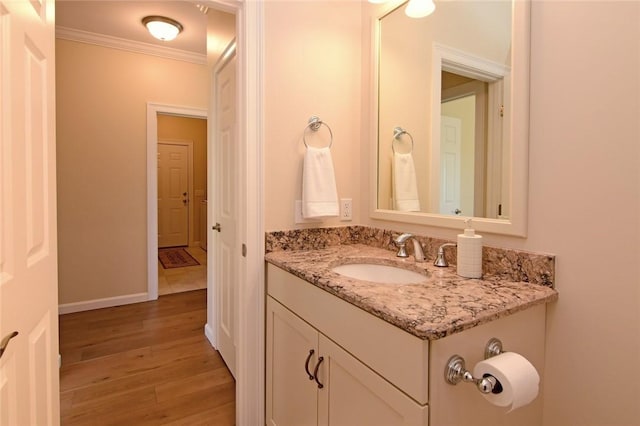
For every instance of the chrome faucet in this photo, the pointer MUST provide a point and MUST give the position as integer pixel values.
(440, 259)
(401, 242)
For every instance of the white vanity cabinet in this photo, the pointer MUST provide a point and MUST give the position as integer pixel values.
(313, 381)
(373, 373)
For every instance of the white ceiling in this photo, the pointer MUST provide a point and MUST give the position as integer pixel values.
(122, 19)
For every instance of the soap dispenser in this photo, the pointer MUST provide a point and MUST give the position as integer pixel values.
(469, 252)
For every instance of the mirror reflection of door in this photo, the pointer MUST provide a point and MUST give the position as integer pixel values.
(173, 202)
(450, 156)
(465, 99)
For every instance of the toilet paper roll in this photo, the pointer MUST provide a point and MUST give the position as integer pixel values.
(518, 377)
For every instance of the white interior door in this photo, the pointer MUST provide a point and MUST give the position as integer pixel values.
(226, 207)
(450, 152)
(29, 384)
(173, 195)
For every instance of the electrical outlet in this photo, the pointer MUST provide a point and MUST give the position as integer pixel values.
(346, 209)
(298, 214)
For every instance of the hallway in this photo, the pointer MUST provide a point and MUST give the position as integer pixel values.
(144, 364)
(188, 278)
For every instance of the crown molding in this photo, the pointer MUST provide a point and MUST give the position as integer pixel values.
(72, 34)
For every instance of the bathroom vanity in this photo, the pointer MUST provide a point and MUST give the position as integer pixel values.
(353, 352)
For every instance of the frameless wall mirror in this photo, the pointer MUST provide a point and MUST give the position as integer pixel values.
(451, 115)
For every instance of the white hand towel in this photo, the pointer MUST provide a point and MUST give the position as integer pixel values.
(405, 188)
(319, 193)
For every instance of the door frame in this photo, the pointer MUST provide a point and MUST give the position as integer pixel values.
(250, 368)
(250, 381)
(191, 231)
(446, 58)
(153, 109)
(483, 115)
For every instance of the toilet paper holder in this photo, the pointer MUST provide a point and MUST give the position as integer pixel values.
(455, 371)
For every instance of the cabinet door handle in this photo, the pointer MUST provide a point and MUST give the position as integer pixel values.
(315, 372)
(306, 364)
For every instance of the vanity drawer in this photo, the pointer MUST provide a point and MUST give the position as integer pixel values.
(396, 355)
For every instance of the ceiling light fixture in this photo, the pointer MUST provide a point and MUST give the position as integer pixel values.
(162, 28)
(419, 8)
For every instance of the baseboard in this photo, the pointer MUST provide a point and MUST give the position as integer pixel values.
(107, 302)
(208, 332)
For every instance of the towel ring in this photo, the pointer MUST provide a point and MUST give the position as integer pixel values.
(397, 134)
(314, 125)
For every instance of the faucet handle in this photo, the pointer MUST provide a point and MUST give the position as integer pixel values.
(402, 250)
(440, 259)
(401, 242)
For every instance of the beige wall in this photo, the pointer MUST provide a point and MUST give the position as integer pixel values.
(312, 67)
(190, 129)
(102, 186)
(584, 198)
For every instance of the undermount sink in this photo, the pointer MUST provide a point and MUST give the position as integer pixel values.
(382, 274)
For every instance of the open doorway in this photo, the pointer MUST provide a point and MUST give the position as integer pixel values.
(182, 203)
(166, 126)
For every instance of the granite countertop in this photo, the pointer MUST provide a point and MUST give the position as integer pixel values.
(444, 304)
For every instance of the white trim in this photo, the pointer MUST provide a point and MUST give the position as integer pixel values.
(210, 335)
(103, 40)
(227, 54)
(250, 389)
(495, 153)
(107, 302)
(468, 65)
(153, 109)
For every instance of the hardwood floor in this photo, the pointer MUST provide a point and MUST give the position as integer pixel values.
(143, 364)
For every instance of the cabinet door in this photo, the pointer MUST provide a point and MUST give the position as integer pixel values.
(355, 395)
(291, 395)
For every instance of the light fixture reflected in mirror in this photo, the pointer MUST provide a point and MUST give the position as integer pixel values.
(419, 8)
(162, 28)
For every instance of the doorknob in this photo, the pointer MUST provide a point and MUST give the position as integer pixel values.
(5, 342)
(216, 227)
(185, 200)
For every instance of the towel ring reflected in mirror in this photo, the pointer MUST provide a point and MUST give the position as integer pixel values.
(314, 125)
(397, 135)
